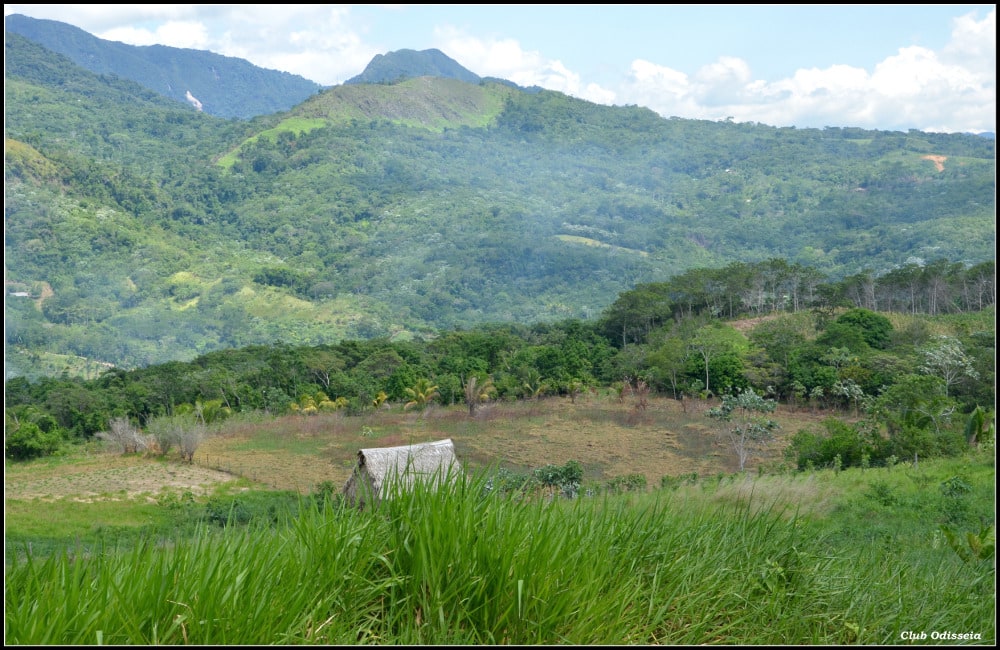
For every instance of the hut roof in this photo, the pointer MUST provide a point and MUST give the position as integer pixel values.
(433, 461)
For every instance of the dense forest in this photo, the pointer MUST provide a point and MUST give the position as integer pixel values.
(140, 231)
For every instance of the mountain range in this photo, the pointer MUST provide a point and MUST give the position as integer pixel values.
(219, 85)
(413, 198)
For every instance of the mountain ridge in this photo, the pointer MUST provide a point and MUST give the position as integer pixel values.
(400, 210)
(250, 91)
(219, 85)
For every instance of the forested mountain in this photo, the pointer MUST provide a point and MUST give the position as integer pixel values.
(219, 85)
(141, 231)
(396, 66)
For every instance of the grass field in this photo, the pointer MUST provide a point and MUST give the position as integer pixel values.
(104, 548)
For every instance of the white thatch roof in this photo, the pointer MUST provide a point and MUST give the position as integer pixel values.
(382, 468)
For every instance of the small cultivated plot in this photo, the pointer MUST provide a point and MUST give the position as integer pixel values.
(609, 437)
(99, 495)
(99, 475)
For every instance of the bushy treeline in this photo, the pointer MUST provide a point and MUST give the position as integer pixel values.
(915, 386)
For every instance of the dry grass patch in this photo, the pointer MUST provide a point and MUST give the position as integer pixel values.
(608, 437)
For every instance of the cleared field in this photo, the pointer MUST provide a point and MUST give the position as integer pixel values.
(607, 436)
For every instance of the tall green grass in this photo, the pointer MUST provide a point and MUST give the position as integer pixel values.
(464, 565)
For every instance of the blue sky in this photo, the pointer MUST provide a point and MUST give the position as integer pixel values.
(891, 67)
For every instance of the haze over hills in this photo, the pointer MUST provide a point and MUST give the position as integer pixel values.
(141, 230)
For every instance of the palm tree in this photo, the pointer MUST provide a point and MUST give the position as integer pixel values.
(421, 393)
(532, 384)
(477, 393)
(574, 388)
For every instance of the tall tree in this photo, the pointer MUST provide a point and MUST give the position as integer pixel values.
(711, 341)
(945, 358)
(636, 313)
(666, 362)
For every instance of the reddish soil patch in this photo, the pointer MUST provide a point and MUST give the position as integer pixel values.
(937, 160)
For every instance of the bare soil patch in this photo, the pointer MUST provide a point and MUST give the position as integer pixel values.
(937, 160)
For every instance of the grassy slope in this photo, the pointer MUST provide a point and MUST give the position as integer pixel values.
(427, 102)
(714, 562)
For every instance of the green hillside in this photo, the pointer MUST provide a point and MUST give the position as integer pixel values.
(144, 231)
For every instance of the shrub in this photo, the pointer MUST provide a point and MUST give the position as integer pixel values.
(566, 478)
(27, 440)
(668, 482)
(875, 328)
(848, 442)
(125, 437)
(629, 483)
(226, 512)
(505, 481)
(881, 493)
(327, 492)
(914, 442)
(672, 482)
(261, 508)
(955, 491)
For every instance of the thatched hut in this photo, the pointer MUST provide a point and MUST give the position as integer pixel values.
(383, 470)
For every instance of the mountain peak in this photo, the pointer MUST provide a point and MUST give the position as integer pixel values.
(396, 66)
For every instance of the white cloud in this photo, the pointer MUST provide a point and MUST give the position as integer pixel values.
(915, 88)
(186, 34)
(505, 59)
(723, 82)
(502, 58)
(317, 42)
(97, 19)
(973, 44)
(595, 93)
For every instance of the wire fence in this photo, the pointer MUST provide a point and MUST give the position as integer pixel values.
(249, 472)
